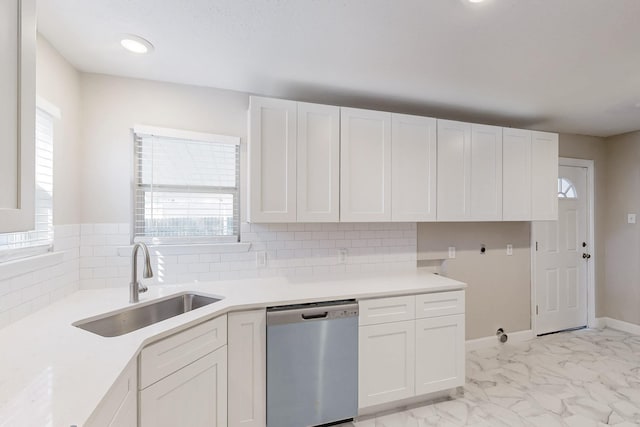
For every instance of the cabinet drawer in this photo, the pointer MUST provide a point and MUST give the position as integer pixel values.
(439, 304)
(385, 310)
(164, 357)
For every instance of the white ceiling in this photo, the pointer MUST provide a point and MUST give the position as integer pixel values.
(558, 65)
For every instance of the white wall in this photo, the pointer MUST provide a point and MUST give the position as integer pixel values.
(112, 106)
(59, 83)
(622, 256)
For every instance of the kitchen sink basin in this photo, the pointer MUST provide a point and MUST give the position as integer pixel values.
(139, 316)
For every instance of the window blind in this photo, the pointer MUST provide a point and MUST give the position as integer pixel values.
(42, 235)
(186, 189)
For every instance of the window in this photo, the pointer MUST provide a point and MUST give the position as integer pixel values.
(39, 240)
(566, 189)
(186, 187)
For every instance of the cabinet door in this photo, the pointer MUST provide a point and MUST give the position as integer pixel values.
(544, 165)
(272, 160)
(17, 114)
(365, 165)
(161, 358)
(413, 168)
(454, 166)
(516, 184)
(440, 353)
(386, 366)
(194, 396)
(486, 173)
(247, 368)
(120, 407)
(318, 163)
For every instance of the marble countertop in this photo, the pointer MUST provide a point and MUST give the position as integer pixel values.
(54, 374)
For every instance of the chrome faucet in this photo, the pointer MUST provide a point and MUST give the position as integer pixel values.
(135, 287)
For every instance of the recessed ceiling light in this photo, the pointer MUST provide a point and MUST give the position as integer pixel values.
(136, 44)
(475, 1)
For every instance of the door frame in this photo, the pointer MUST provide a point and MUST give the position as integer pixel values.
(591, 294)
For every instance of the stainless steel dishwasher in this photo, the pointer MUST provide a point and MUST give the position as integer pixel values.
(312, 364)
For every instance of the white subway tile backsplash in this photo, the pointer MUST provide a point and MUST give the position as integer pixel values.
(291, 249)
(30, 284)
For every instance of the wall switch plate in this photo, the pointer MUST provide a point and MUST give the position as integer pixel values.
(261, 259)
(452, 251)
(342, 256)
(509, 249)
(631, 218)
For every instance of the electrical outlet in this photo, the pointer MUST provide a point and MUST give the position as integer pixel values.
(631, 218)
(342, 256)
(509, 249)
(452, 251)
(261, 259)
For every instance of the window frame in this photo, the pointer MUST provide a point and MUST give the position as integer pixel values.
(168, 133)
(37, 247)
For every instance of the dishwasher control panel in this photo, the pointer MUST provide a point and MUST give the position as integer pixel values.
(331, 310)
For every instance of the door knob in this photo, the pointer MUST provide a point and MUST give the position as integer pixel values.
(586, 256)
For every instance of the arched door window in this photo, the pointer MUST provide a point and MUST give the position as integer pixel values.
(566, 189)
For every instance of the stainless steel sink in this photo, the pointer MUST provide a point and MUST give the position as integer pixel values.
(134, 318)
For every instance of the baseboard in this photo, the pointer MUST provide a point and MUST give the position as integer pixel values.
(621, 325)
(492, 341)
(598, 323)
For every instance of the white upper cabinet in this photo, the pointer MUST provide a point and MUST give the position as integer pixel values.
(486, 173)
(318, 163)
(17, 114)
(365, 166)
(516, 186)
(413, 168)
(544, 165)
(469, 172)
(321, 163)
(272, 160)
(454, 163)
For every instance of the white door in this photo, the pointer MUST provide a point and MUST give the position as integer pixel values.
(560, 268)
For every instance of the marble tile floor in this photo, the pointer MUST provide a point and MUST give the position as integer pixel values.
(583, 378)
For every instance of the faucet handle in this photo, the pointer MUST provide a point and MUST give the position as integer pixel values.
(142, 288)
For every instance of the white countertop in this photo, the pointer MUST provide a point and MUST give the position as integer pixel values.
(54, 374)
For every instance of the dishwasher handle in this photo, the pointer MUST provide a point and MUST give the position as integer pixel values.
(315, 316)
(299, 314)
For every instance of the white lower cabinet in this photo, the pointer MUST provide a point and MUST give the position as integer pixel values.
(120, 407)
(439, 353)
(194, 396)
(386, 363)
(247, 368)
(183, 378)
(404, 359)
